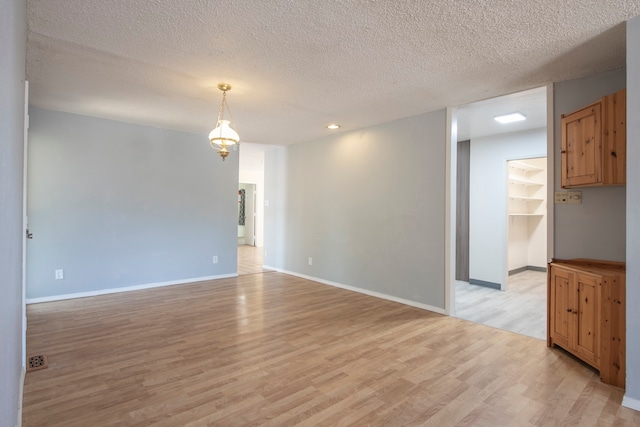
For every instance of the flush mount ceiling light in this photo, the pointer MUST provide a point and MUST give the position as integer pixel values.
(333, 126)
(223, 135)
(510, 118)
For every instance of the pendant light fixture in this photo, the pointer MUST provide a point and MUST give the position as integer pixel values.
(223, 135)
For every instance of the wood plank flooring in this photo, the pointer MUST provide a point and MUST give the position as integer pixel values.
(250, 260)
(522, 308)
(274, 350)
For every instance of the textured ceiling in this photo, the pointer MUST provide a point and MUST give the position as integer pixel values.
(296, 65)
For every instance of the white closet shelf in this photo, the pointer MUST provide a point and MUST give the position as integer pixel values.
(515, 180)
(525, 214)
(524, 166)
(526, 199)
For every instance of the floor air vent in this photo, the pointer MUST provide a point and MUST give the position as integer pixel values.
(37, 362)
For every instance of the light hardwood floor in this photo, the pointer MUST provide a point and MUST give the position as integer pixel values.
(522, 308)
(275, 350)
(250, 260)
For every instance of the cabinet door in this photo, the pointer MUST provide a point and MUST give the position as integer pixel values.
(587, 319)
(581, 155)
(561, 298)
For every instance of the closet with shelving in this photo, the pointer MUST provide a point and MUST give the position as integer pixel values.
(527, 206)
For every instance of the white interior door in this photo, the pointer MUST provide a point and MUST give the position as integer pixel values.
(250, 215)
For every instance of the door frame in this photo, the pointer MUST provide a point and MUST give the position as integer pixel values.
(451, 148)
(505, 274)
(25, 223)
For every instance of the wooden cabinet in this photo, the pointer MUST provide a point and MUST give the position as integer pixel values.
(586, 314)
(594, 144)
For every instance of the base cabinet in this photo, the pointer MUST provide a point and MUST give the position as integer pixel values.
(586, 314)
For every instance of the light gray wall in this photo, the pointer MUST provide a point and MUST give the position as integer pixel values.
(596, 228)
(115, 205)
(275, 212)
(488, 198)
(633, 210)
(13, 33)
(367, 206)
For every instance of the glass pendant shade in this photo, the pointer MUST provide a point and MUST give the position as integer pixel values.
(224, 133)
(222, 136)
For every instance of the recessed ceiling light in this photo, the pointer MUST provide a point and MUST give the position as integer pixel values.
(333, 126)
(510, 118)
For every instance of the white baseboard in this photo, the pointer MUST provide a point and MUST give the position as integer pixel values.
(20, 396)
(127, 288)
(630, 402)
(362, 291)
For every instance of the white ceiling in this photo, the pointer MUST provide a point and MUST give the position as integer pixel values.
(296, 65)
(476, 120)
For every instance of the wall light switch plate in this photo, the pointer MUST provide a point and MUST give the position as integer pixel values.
(561, 197)
(574, 197)
(215, 259)
(59, 274)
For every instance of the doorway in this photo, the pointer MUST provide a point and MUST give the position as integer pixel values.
(526, 211)
(501, 214)
(250, 257)
(251, 235)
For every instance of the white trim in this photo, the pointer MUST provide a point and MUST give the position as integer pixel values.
(20, 396)
(451, 166)
(361, 291)
(127, 288)
(25, 222)
(630, 402)
(551, 185)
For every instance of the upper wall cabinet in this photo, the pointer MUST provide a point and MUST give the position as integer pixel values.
(594, 142)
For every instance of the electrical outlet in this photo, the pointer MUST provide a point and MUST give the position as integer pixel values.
(561, 197)
(215, 259)
(574, 197)
(310, 261)
(59, 274)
